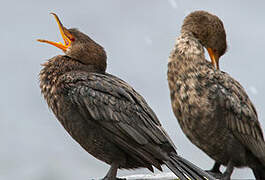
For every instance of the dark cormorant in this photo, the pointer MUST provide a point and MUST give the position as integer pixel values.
(212, 108)
(104, 114)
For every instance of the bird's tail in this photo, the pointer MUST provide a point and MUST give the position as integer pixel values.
(185, 170)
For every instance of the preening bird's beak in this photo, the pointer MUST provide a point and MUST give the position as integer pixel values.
(214, 58)
(67, 36)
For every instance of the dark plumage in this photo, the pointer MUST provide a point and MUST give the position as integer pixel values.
(212, 108)
(104, 114)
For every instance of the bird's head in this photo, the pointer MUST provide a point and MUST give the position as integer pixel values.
(209, 30)
(79, 46)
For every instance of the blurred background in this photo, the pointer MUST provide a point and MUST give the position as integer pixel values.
(138, 37)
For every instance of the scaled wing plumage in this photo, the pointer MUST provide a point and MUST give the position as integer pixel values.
(240, 114)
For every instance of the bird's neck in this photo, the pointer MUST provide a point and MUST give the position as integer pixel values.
(60, 65)
(187, 49)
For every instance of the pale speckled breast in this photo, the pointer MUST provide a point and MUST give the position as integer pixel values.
(193, 105)
(48, 89)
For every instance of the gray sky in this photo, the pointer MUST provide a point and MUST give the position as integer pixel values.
(138, 37)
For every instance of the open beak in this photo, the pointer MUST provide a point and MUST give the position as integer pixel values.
(214, 58)
(66, 35)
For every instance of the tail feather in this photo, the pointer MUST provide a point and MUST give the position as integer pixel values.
(186, 170)
(176, 169)
(195, 168)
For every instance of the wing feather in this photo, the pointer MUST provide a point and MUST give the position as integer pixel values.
(121, 112)
(241, 118)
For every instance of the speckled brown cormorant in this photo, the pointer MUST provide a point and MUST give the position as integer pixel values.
(104, 114)
(212, 108)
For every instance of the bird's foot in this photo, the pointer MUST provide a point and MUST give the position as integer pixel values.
(225, 176)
